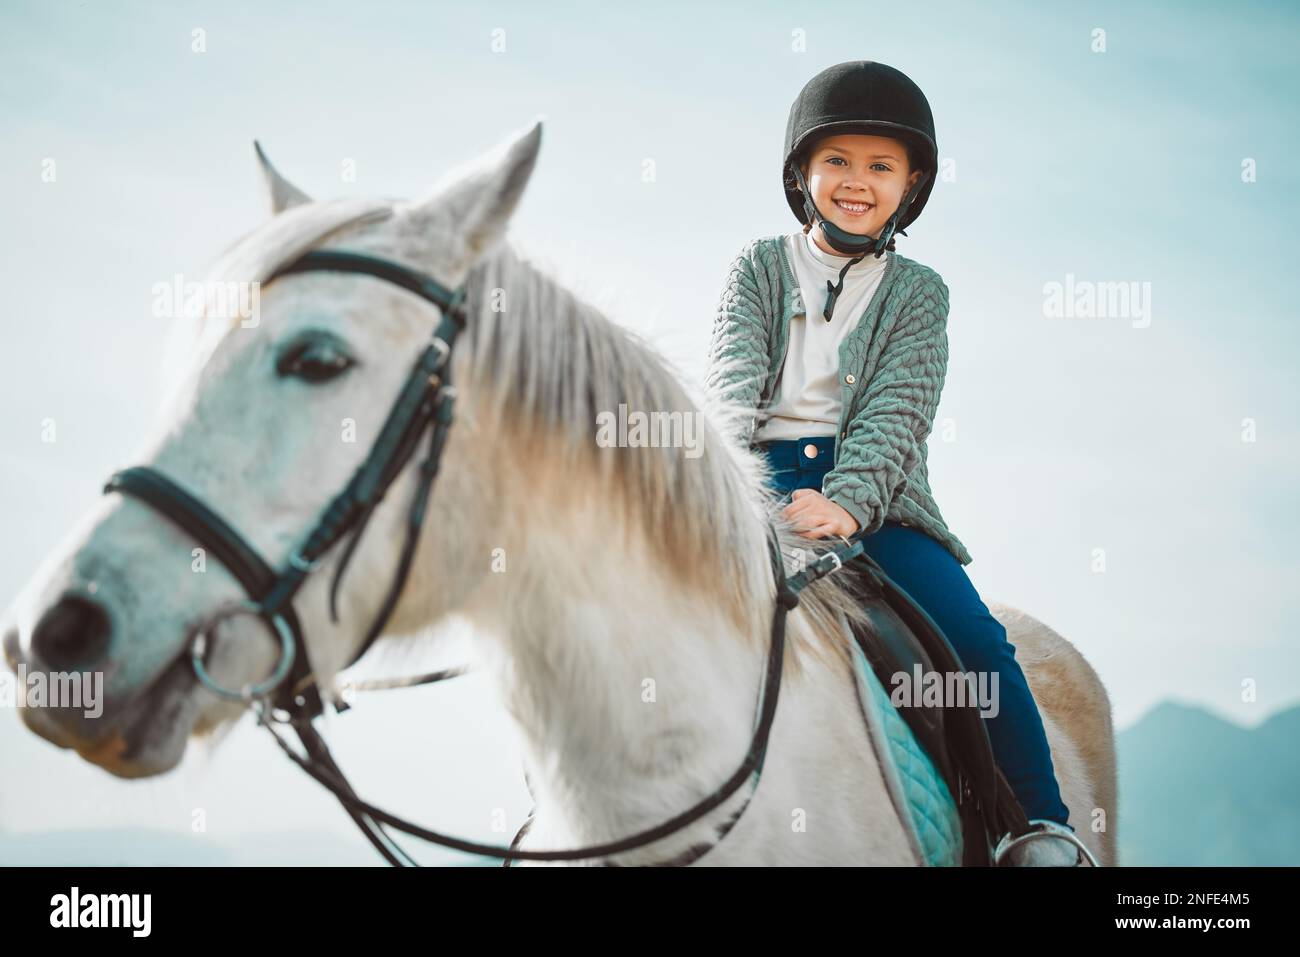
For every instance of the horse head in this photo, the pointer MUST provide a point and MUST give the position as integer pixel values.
(278, 407)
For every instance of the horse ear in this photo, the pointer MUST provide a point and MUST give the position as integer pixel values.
(478, 199)
(282, 192)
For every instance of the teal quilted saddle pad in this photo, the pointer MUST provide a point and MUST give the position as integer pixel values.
(915, 785)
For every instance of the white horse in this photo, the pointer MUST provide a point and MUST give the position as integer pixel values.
(621, 597)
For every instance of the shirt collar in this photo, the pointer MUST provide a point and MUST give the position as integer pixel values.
(834, 263)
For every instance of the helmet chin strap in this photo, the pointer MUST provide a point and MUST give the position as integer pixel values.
(854, 244)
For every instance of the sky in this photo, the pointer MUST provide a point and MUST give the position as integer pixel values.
(1158, 151)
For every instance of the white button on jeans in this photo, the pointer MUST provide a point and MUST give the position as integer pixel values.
(810, 450)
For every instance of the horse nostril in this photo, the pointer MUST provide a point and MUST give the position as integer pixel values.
(74, 632)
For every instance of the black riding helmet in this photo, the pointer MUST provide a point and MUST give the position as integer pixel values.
(860, 96)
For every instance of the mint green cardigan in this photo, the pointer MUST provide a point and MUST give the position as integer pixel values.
(892, 368)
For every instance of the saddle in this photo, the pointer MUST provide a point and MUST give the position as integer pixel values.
(901, 636)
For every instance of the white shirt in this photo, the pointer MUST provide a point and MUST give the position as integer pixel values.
(806, 401)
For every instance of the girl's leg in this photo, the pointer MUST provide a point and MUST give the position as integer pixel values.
(936, 581)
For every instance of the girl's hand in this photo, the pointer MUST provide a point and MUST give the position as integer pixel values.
(816, 516)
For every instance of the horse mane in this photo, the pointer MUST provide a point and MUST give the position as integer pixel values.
(541, 366)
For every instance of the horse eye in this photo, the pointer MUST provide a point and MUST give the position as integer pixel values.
(314, 360)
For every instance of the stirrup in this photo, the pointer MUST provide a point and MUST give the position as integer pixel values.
(1040, 829)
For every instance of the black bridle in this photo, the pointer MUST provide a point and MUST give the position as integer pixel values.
(290, 694)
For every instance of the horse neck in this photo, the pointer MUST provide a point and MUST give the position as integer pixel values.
(630, 694)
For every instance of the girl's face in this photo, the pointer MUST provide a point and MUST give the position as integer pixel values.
(857, 182)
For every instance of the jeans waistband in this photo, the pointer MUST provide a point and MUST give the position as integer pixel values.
(788, 454)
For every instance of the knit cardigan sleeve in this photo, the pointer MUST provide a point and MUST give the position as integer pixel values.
(738, 352)
(884, 441)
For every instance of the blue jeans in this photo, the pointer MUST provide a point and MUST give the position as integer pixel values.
(936, 581)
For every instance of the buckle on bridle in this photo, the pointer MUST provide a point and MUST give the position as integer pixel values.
(268, 714)
(836, 563)
(443, 349)
(301, 564)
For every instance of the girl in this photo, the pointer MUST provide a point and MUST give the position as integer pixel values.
(846, 349)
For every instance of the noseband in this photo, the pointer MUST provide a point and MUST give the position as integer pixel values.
(290, 695)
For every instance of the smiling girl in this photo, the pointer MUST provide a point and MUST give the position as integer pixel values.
(841, 347)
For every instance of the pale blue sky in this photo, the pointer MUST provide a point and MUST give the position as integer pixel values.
(1071, 434)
